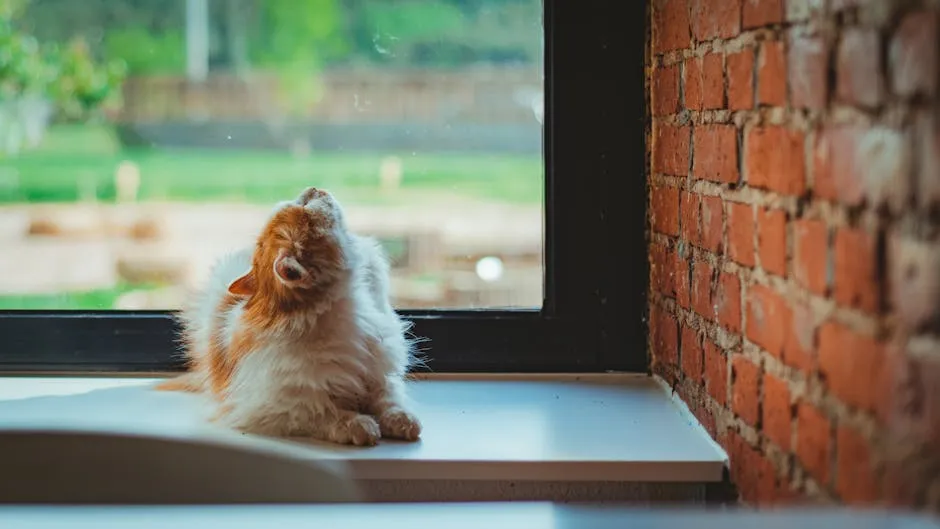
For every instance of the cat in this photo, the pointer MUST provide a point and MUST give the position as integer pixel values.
(297, 336)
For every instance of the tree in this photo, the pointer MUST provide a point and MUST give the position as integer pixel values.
(286, 38)
(38, 82)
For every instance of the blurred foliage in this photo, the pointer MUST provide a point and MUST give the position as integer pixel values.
(145, 52)
(300, 35)
(287, 32)
(67, 74)
(446, 33)
(82, 85)
(89, 46)
(292, 39)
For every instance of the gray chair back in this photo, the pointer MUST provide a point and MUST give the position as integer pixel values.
(52, 466)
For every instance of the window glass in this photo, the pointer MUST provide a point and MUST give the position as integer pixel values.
(142, 139)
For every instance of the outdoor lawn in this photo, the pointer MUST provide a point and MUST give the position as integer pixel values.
(93, 299)
(75, 161)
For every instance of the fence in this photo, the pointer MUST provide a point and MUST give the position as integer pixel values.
(473, 96)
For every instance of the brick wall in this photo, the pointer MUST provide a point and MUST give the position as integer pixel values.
(795, 240)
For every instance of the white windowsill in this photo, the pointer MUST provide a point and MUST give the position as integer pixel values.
(589, 428)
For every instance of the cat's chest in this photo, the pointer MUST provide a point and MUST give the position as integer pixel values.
(344, 369)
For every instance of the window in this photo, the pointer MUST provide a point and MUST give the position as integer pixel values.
(219, 112)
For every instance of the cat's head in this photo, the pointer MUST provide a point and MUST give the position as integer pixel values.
(301, 253)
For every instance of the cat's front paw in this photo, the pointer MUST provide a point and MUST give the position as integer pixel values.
(360, 430)
(397, 423)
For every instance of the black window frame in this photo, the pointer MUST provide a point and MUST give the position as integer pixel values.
(595, 264)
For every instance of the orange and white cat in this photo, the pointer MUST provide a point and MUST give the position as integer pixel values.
(296, 337)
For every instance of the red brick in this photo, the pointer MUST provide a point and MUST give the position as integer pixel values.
(745, 396)
(774, 159)
(915, 400)
(772, 240)
(858, 68)
(835, 168)
(799, 340)
(662, 269)
(702, 289)
(688, 394)
(689, 207)
(692, 81)
(665, 334)
(777, 411)
(899, 490)
(807, 68)
(728, 301)
(902, 389)
(728, 439)
(732, 443)
(712, 229)
(683, 281)
(914, 272)
(741, 80)
(704, 82)
(741, 234)
(928, 178)
(715, 19)
(707, 419)
(666, 90)
(691, 353)
(757, 13)
(813, 442)
(716, 153)
(855, 264)
(656, 257)
(853, 365)
(855, 480)
(664, 209)
(756, 477)
(671, 149)
(811, 254)
(787, 494)
(768, 319)
(752, 473)
(716, 373)
(670, 25)
(913, 55)
(884, 158)
(772, 74)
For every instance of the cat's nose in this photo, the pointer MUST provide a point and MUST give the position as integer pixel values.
(311, 193)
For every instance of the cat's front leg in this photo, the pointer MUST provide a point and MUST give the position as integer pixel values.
(393, 416)
(318, 417)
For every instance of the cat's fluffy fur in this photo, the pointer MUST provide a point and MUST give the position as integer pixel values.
(297, 336)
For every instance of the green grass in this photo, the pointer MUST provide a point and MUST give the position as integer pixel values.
(102, 299)
(77, 161)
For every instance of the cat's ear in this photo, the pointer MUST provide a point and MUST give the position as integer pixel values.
(244, 286)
